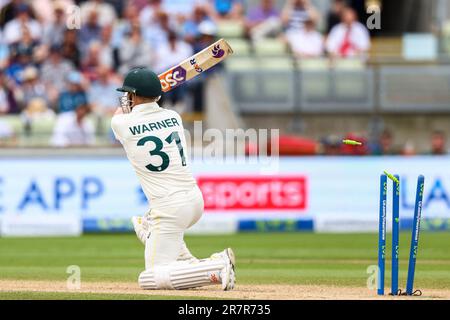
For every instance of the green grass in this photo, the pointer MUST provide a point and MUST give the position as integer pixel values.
(28, 295)
(296, 258)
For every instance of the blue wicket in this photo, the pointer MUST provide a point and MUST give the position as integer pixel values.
(382, 234)
(395, 235)
(415, 235)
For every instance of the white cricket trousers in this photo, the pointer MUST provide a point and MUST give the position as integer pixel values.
(167, 227)
(165, 244)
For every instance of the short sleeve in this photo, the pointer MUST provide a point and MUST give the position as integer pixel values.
(116, 126)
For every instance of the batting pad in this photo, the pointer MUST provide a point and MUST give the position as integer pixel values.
(183, 275)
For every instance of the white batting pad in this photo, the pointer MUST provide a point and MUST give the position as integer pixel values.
(183, 275)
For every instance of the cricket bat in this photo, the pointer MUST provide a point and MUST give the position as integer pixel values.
(195, 65)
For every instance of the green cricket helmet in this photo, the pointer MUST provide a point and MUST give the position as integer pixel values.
(142, 82)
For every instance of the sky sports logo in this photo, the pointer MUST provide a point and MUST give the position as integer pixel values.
(254, 192)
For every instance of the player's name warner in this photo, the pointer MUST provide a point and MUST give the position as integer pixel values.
(158, 125)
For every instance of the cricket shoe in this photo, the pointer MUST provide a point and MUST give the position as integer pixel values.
(227, 274)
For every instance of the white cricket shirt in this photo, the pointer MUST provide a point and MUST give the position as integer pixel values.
(154, 141)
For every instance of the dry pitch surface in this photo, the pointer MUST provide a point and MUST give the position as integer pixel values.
(269, 266)
(29, 289)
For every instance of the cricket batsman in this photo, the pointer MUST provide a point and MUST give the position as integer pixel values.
(154, 141)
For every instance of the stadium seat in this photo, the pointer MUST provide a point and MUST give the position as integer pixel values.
(241, 64)
(275, 77)
(270, 47)
(240, 47)
(348, 64)
(315, 85)
(276, 63)
(103, 125)
(446, 28)
(446, 37)
(350, 79)
(313, 64)
(41, 132)
(15, 122)
(315, 81)
(230, 29)
(246, 86)
(350, 86)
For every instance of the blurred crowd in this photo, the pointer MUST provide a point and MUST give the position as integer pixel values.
(298, 24)
(63, 59)
(384, 145)
(332, 145)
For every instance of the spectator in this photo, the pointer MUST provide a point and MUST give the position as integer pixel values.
(74, 129)
(91, 61)
(385, 145)
(158, 34)
(335, 13)
(32, 88)
(4, 52)
(118, 6)
(172, 53)
(350, 38)
(438, 143)
(23, 21)
(148, 15)
(190, 27)
(25, 43)
(105, 11)
(306, 42)
(181, 7)
(227, 9)
(207, 35)
(409, 149)
(90, 32)
(130, 17)
(69, 48)
(331, 145)
(21, 58)
(120, 31)
(134, 52)
(45, 9)
(74, 96)
(9, 11)
(54, 30)
(296, 13)
(4, 103)
(106, 49)
(53, 73)
(101, 94)
(8, 102)
(139, 4)
(169, 55)
(263, 20)
(208, 31)
(99, 53)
